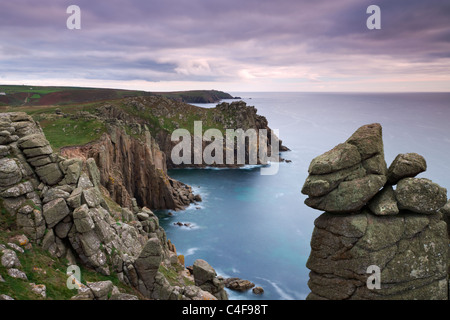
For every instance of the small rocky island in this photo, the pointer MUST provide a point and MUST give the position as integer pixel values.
(376, 216)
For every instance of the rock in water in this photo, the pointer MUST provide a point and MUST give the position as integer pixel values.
(345, 178)
(238, 284)
(258, 290)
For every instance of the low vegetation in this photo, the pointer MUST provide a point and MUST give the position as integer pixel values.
(41, 268)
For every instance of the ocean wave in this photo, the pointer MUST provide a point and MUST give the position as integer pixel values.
(282, 293)
(190, 251)
(252, 166)
(194, 206)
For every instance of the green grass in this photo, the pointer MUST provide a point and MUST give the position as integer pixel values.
(41, 268)
(7, 221)
(63, 132)
(172, 275)
(55, 278)
(11, 89)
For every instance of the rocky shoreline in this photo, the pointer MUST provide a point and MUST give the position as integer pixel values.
(376, 218)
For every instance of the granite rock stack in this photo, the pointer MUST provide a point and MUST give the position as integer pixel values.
(376, 217)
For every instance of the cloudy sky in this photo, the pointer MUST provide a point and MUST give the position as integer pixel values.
(230, 45)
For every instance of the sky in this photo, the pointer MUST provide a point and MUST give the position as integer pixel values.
(229, 45)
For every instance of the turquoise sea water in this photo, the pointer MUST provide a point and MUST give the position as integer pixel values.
(256, 227)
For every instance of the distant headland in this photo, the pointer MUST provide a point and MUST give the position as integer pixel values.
(29, 95)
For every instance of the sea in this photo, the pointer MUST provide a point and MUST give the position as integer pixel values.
(257, 227)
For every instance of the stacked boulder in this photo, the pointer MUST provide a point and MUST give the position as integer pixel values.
(60, 204)
(376, 218)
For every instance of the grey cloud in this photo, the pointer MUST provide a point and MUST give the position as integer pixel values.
(128, 37)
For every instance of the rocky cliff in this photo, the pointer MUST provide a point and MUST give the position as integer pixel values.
(234, 116)
(60, 204)
(133, 169)
(378, 220)
(134, 153)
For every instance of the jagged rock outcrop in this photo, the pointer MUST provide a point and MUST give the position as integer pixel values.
(345, 178)
(163, 116)
(377, 218)
(206, 278)
(65, 209)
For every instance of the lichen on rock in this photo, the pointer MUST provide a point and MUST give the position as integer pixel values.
(367, 223)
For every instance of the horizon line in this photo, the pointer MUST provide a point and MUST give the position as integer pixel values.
(233, 91)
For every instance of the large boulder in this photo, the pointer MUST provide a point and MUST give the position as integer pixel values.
(82, 219)
(206, 279)
(50, 174)
(238, 284)
(345, 178)
(71, 169)
(10, 172)
(10, 259)
(342, 156)
(203, 272)
(101, 289)
(33, 141)
(420, 195)
(54, 211)
(148, 262)
(406, 166)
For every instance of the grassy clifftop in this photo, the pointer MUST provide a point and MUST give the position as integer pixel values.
(28, 95)
(80, 123)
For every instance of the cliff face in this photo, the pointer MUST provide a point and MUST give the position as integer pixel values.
(61, 205)
(378, 220)
(234, 116)
(134, 168)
